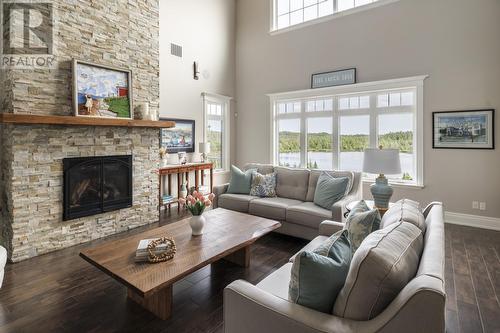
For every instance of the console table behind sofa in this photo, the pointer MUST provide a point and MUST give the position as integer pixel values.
(180, 171)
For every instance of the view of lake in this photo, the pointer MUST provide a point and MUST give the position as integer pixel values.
(352, 161)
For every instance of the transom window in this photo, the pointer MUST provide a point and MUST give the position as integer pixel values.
(332, 130)
(288, 13)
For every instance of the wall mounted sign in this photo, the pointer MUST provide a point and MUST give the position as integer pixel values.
(334, 78)
(464, 129)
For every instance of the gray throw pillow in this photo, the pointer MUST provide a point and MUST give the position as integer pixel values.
(329, 190)
(240, 181)
(361, 222)
(318, 276)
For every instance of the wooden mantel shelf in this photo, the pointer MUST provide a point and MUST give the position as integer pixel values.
(29, 119)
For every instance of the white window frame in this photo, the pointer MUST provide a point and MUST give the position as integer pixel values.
(415, 83)
(274, 16)
(225, 101)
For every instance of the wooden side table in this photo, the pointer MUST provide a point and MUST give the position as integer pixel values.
(369, 203)
(183, 170)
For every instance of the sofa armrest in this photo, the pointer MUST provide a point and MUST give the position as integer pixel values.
(328, 228)
(218, 190)
(248, 309)
(427, 209)
(339, 208)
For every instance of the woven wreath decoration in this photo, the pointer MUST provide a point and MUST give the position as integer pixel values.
(165, 256)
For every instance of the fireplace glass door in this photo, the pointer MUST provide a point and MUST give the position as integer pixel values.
(94, 185)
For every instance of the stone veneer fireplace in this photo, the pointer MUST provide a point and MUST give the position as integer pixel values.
(122, 34)
(32, 182)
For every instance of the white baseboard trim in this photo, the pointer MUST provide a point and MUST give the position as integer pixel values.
(476, 221)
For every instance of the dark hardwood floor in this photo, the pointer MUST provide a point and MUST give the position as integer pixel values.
(60, 292)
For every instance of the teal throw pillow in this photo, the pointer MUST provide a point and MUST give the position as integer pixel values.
(263, 186)
(316, 278)
(329, 190)
(240, 181)
(361, 222)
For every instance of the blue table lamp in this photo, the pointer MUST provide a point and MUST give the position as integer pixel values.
(382, 162)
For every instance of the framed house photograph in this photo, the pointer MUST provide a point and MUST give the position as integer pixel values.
(180, 138)
(473, 129)
(101, 91)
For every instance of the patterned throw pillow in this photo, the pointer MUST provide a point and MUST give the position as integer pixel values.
(360, 223)
(263, 186)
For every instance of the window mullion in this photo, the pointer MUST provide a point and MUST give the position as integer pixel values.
(373, 122)
(335, 134)
(303, 134)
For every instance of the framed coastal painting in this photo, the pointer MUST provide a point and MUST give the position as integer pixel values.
(473, 129)
(100, 91)
(180, 138)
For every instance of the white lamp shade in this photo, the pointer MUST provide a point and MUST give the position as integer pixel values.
(204, 147)
(382, 161)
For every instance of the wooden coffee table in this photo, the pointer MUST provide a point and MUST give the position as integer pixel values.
(227, 235)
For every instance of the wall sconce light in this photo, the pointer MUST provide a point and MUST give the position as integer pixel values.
(196, 71)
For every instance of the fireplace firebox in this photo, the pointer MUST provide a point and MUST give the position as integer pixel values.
(94, 185)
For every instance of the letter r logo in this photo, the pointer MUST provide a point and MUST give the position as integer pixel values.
(27, 28)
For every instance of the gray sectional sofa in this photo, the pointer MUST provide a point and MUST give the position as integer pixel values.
(416, 308)
(293, 206)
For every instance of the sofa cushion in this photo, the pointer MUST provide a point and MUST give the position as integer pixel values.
(404, 210)
(329, 190)
(382, 266)
(240, 181)
(263, 186)
(237, 202)
(261, 168)
(307, 214)
(3, 261)
(314, 176)
(277, 282)
(271, 208)
(292, 183)
(361, 222)
(311, 246)
(318, 276)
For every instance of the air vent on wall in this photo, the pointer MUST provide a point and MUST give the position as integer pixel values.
(176, 50)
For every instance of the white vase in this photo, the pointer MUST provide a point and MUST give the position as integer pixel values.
(197, 222)
(164, 162)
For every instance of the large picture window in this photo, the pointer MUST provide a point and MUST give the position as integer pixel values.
(330, 128)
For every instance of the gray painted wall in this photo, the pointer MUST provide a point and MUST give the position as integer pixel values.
(455, 42)
(207, 32)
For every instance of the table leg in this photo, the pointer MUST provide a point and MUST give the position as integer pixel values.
(160, 197)
(196, 180)
(187, 181)
(160, 303)
(169, 189)
(202, 177)
(211, 180)
(178, 191)
(240, 257)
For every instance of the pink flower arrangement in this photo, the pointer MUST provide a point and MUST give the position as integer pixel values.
(197, 202)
